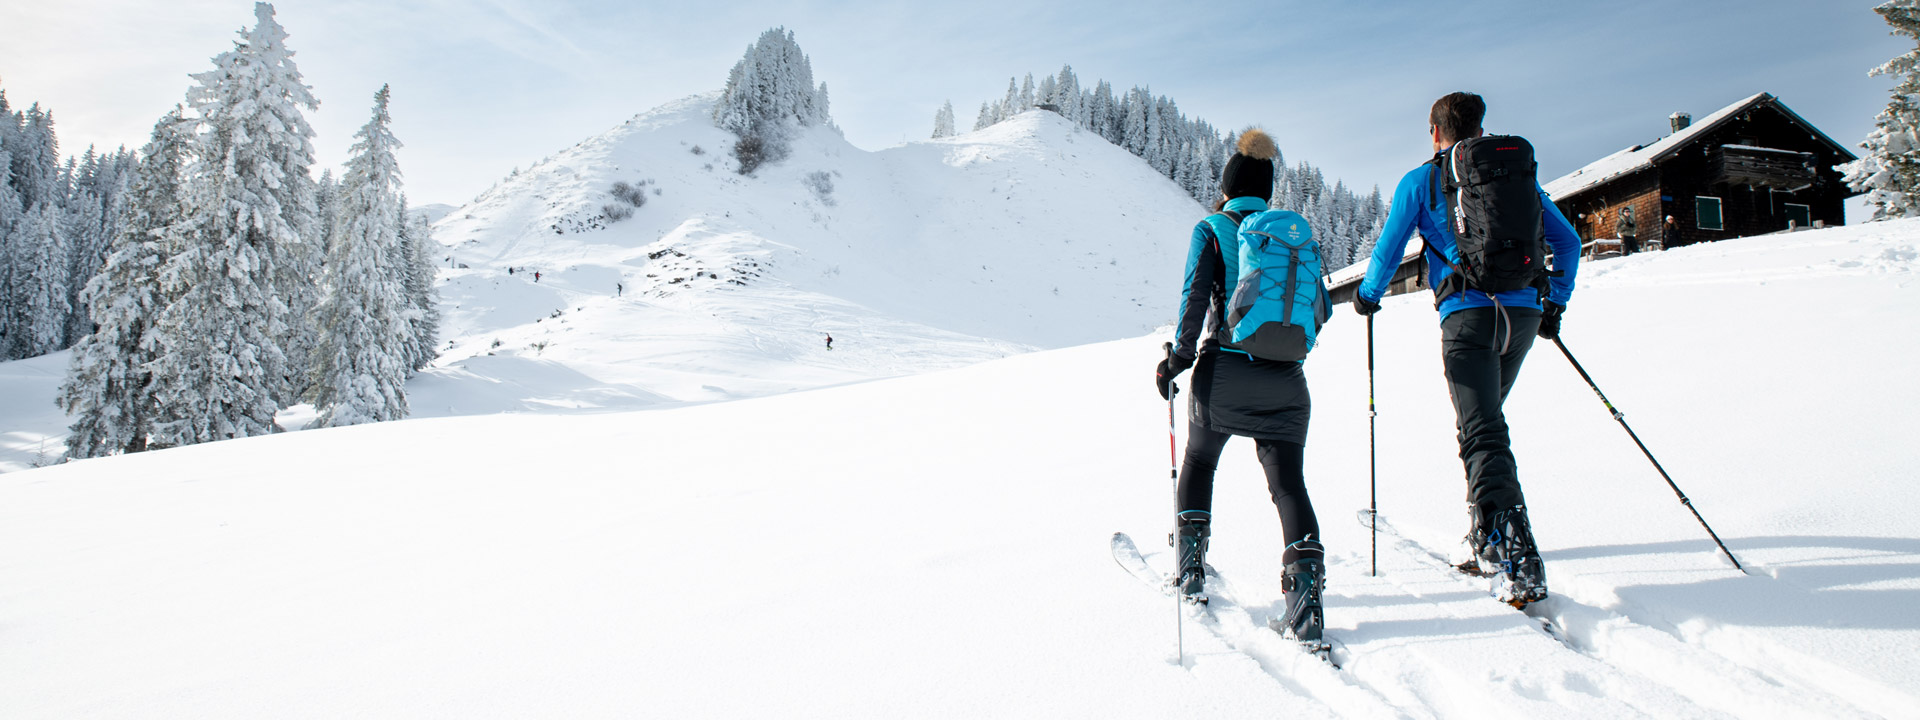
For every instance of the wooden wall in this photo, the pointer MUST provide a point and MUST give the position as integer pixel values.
(1596, 213)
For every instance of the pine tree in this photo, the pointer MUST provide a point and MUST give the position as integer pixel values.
(86, 227)
(416, 238)
(37, 299)
(325, 194)
(943, 121)
(769, 92)
(86, 250)
(1134, 109)
(1067, 96)
(37, 285)
(361, 360)
(40, 283)
(1889, 171)
(11, 213)
(222, 369)
(107, 389)
(36, 164)
(985, 119)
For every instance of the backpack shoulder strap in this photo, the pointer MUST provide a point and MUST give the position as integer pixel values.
(1439, 163)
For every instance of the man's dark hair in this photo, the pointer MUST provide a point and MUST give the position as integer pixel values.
(1458, 115)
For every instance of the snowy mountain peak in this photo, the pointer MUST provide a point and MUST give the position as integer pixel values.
(1030, 233)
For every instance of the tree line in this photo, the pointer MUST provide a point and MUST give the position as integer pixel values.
(210, 281)
(1188, 151)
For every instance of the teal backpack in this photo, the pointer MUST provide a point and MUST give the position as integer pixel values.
(1280, 301)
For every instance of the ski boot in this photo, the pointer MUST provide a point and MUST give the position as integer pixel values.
(1189, 541)
(1475, 556)
(1305, 580)
(1510, 541)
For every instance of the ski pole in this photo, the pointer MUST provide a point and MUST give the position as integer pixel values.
(1173, 471)
(1373, 504)
(1622, 419)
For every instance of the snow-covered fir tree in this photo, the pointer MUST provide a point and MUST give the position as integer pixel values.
(1889, 171)
(423, 319)
(36, 160)
(943, 121)
(37, 242)
(107, 387)
(768, 93)
(325, 194)
(89, 227)
(1066, 95)
(40, 282)
(361, 360)
(222, 369)
(10, 216)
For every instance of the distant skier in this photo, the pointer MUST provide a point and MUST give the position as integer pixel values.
(619, 289)
(536, 276)
(509, 269)
(1484, 335)
(1235, 393)
(829, 341)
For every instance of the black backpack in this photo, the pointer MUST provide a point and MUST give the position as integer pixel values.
(1493, 206)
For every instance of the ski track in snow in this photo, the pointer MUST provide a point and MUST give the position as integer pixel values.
(1712, 683)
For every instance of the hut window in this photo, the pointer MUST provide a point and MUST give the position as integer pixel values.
(1799, 216)
(1706, 210)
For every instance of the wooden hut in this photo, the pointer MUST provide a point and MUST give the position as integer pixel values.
(1751, 168)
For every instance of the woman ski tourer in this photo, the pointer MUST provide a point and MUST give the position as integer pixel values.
(1235, 393)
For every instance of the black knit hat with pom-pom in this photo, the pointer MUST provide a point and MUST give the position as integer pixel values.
(1249, 173)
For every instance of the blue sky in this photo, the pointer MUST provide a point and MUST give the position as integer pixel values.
(483, 86)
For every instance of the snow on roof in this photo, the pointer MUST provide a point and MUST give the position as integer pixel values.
(1641, 157)
(1358, 270)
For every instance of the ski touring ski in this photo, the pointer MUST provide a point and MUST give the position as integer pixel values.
(1128, 556)
(1432, 558)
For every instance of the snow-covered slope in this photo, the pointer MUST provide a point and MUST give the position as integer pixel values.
(1030, 234)
(936, 545)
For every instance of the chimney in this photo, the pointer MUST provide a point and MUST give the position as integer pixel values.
(1679, 121)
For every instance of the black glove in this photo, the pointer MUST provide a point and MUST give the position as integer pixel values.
(1166, 371)
(1550, 319)
(1364, 306)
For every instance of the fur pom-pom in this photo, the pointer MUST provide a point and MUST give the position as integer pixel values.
(1255, 144)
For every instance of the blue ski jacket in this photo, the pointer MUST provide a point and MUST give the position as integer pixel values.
(1413, 210)
(1212, 269)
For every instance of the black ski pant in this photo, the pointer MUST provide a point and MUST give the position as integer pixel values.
(1482, 349)
(1284, 463)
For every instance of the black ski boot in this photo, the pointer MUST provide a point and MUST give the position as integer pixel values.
(1304, 581)
(1475, 556)
(1189, 542)
(1510, 541)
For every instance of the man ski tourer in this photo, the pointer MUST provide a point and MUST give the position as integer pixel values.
(1235, 393)
(1494, 293)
